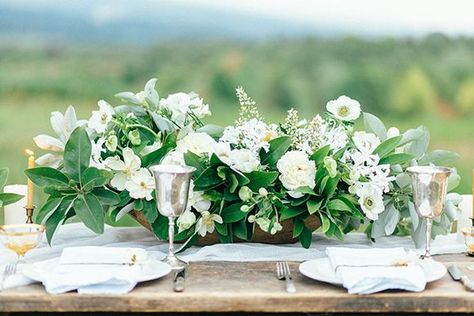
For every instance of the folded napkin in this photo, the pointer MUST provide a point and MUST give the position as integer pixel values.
(94, 270)
(365, 271)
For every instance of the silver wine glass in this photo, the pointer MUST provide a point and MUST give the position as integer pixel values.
(172, 190)
(430, 185)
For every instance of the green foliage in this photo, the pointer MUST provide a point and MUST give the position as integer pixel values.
(6, 198)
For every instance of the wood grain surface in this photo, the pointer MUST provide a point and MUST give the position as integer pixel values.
(248, 287)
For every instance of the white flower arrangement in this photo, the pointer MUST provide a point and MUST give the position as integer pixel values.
(250, 174)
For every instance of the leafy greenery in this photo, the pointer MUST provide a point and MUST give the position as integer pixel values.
(6, 198)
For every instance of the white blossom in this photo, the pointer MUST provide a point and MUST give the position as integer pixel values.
(206, 224)
(253, 134)
(296, 170)
(197, 143)
(141, 185)
(101, 118)
(370, 201)
(185, 221)
(124, 169)
(181, 104)
(365, 142)
(344, 108)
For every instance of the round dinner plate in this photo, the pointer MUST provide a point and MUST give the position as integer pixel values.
(321, 270)
(152, 269)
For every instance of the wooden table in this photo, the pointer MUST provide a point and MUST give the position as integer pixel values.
(248, 287)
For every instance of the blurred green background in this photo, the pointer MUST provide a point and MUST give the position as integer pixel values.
(407, 81)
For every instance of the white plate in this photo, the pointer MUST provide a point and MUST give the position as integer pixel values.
(321, 270)
(151, 269)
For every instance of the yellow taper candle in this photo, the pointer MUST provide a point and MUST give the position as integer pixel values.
(31, 164)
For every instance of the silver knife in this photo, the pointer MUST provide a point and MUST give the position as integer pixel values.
(179, 277)
(458, 275)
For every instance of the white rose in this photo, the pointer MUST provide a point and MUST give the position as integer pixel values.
(296, 170)
(222, 151)
(186, 220)
(244, 160)
(344, 108)
(197, 143)
(370, 201)
(365, 142)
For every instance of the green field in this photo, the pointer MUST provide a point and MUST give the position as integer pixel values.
(406, 82)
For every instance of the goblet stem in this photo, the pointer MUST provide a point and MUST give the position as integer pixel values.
(171, 236)
(429, 223)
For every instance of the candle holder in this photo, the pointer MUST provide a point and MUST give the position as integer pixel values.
(29, 214)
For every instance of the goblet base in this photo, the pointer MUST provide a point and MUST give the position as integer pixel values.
(175, 263)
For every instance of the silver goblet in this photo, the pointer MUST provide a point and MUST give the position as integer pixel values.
(172, 190)
(430, 186)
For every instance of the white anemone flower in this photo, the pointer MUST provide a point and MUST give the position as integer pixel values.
(206, 224)
(101, 118)
(344, 108)
(370, 201)
(63, 125)
(141, 185)
(125, 169)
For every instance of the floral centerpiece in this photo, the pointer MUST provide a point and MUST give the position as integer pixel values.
(251, 176)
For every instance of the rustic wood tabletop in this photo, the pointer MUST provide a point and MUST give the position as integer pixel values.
(218, 287)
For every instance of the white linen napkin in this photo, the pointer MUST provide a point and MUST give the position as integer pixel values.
(366, 271)
(93, 270)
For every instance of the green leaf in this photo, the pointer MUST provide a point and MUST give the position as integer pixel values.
(156, 156)
(208, 179)
(106, 197)
(298, 226)
(47, 209)
(193, 160)
(306, 237)
(374, 125)
(57, 218)
(232, 213)
(150, 211)
(240, 230)
(77, 153)
(214, 131)
(306, 190)
(160, 227)
(290, 212)
(387, 146)
(331, 186)
(319, 155)
(261, 179)
(339, 205)
(3, 177)
(45, 176)
(90, 211)
(314, 205)
(397, 158)
(93, 177)
(325, 223)
(138, 205)
(9, 198)
(278, 147)
(439, 158)
(234, 183)
(221, 229)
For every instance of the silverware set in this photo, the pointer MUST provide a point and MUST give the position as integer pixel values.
(284, 273)
(10, 269)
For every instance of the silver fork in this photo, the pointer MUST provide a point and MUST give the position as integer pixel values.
(284, 273)
(10, 269)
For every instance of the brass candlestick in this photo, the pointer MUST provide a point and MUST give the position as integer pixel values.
(29, 214)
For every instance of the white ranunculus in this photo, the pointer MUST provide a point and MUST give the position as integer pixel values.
(174, 157)
(186, 220)
(206, 224)
(296, 170)
(124, 169)
(244, 160)
(180, 104)
(393, 132)
(101, 118)
(222, 151)
(197, 143)
(344, 108)
(141, 185)
(370, 201)
(365, 142)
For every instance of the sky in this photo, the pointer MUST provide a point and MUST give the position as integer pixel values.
(346, 17)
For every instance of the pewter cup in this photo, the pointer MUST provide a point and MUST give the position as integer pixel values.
(172, 191)
(430, 186)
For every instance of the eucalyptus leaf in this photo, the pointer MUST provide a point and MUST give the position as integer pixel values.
(128, 97)
(163, 123)
(415, 220)
(374, 125)
(419, 146)
(77, 153)
(391, 219)
(403, 180)
(439, 158)
(453, 181)
(214, 131)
